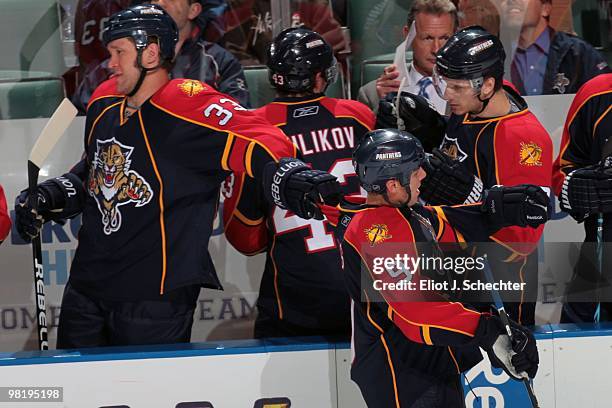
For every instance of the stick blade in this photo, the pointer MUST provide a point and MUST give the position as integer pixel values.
(53, 130)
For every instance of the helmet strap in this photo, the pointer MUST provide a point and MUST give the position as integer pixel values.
(485, 102)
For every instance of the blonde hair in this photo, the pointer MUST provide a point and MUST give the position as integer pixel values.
(436, 7)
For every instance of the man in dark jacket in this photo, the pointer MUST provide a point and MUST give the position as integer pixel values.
(196, 58)
(545, 61)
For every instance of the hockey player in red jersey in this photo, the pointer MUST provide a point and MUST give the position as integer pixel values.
(5, 219)
(491, 138)
(301, 292)
(156, 152)
(409, 352)
(582, 179)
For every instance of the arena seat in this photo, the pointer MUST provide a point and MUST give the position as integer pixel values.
(29, 94)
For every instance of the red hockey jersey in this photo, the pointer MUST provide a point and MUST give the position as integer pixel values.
(302, 283)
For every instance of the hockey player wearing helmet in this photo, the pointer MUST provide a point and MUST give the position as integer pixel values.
(301, 291)
(156, 152)
(410, 349)
(491, 138)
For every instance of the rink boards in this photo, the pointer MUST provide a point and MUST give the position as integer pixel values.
(574, 366)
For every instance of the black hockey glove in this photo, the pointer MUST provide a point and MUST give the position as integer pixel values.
(416, 115)
(587, 191)
(58, 198)
(523, 205)
(292, 185)
(447, 183)
(518, 358)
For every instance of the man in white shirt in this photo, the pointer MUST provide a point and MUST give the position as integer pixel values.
(435, 21)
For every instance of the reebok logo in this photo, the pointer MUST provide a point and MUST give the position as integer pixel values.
(305, 111)
(535, 217)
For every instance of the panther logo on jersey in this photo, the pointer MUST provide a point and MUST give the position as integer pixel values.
(112, 183)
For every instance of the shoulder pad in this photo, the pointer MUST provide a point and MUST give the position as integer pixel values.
(107, 89)
(274, 113)
(352, 109)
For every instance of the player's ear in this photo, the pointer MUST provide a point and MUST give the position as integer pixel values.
(488, 87)
(391, 186)
(195, 9)
(151, 56)
(319, 85)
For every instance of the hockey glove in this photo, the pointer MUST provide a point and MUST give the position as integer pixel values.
(587, 191)
(518, 358)
(58, 198)
(416, 115)
(447, 183)
(292, 185)
(522, 205)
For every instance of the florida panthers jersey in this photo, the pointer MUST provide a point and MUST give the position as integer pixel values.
(152, 182)
(302, 283)
(400, 334)
(509, 150)
(5, 219)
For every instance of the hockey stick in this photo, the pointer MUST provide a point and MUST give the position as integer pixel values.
(48, 138)
(499, 305)
(599, 252)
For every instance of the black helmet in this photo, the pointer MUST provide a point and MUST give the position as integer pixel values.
(471, 53)
(141, 22)
(386, 154)
(295, 56)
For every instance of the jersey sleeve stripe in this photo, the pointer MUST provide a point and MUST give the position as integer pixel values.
(600, 119)
(245, 220)
(441, 221)
(226, 151)
(427, 336)
(103, 97)
(382, 339)
(248, 159)
(162, 224)
(450, 351)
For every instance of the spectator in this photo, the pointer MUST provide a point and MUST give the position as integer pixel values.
(545, 61)
(435, 21)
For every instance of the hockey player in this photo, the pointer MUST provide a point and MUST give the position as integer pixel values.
(5, 219)
(410, 353)
(301, 292)
(582, 179)
(491, 138)
(156, 152)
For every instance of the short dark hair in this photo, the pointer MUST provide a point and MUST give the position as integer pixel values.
(436, 7)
